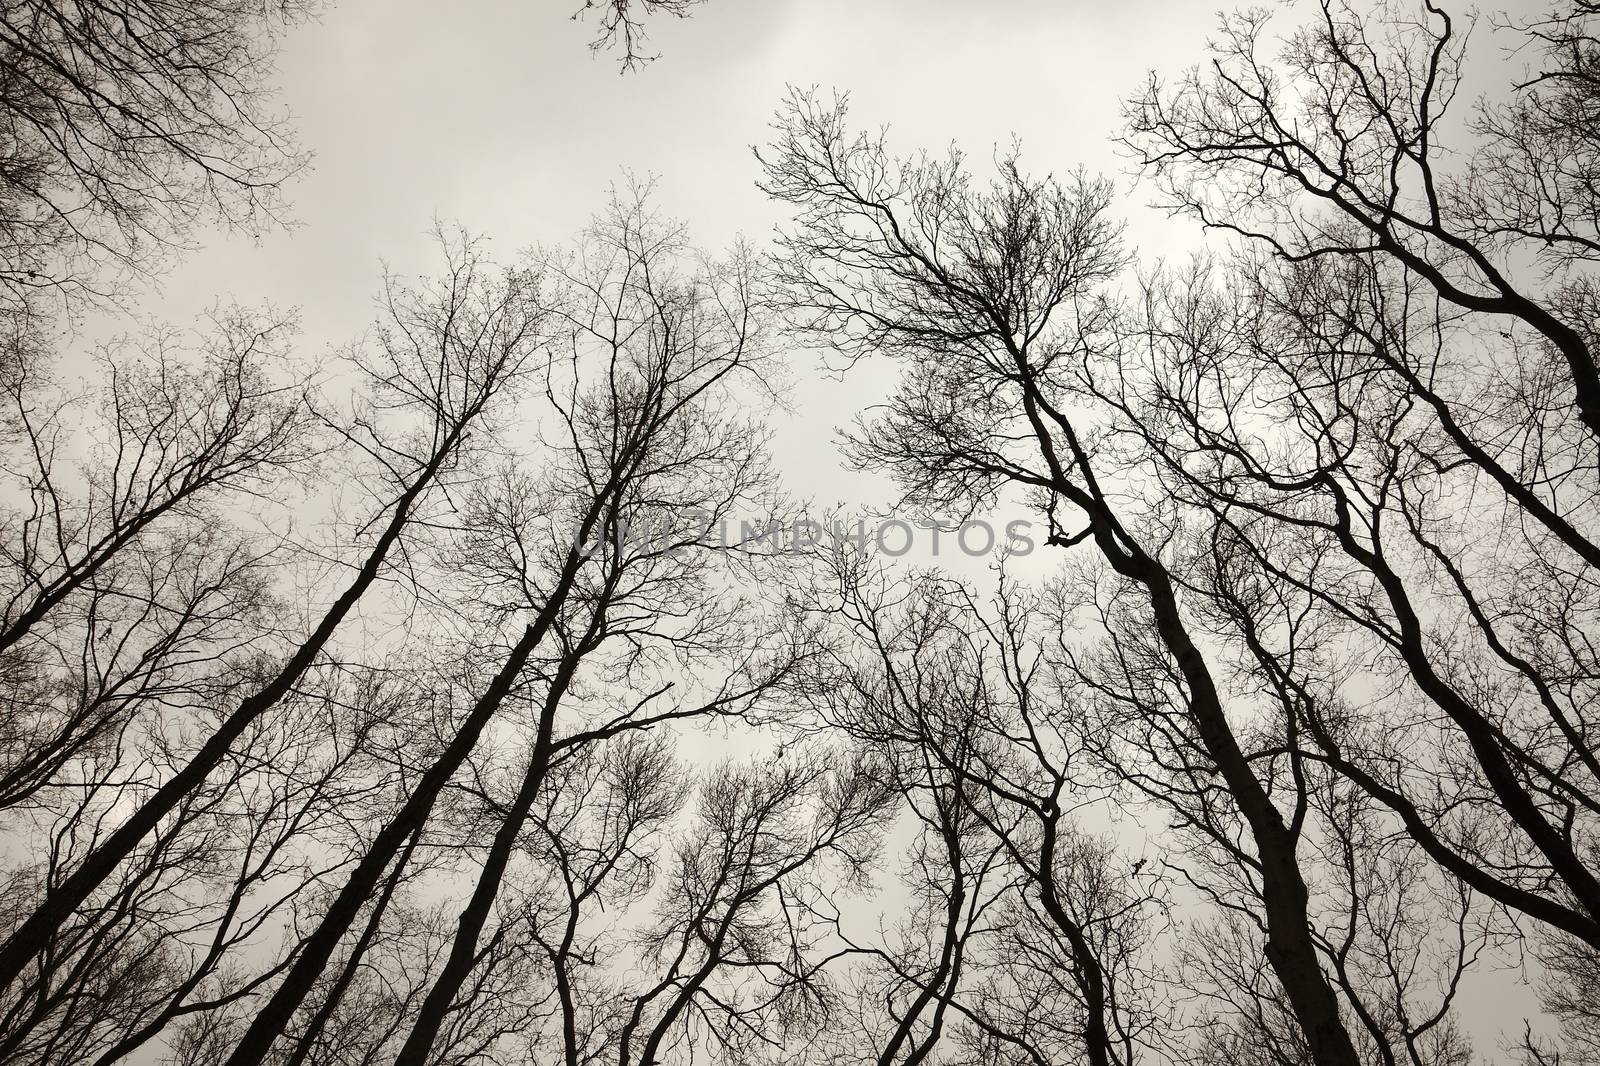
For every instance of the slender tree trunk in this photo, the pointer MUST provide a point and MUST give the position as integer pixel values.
(947, 951)
(1290, 947)
(347, 975)
(1092, 982)
(315, 951)
(1480, 733)
(470, 923)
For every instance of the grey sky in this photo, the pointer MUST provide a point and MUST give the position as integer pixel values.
(494, 114)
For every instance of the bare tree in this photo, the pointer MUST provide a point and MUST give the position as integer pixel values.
(123, 123)
(1035, 913)
(989, 296)
(1356, 471)
(1338, 150)
(1388, 430)
(621, 25)
(737, 963)
(179, 419)
(654, 344)
(1298, 735)
(181, 927)
(447, 357)
(598, 833)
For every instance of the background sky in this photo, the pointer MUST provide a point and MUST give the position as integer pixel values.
(494, 114)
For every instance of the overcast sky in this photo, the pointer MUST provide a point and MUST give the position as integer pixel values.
(494, 114)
